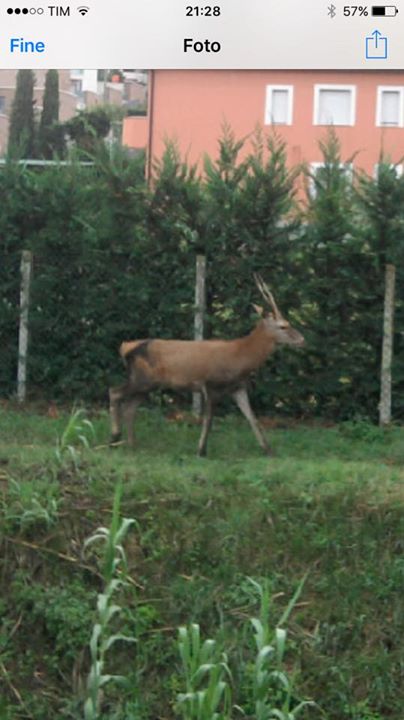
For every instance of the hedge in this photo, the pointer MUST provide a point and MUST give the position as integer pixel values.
(114, 259)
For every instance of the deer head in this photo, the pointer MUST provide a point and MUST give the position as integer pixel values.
(274, 321)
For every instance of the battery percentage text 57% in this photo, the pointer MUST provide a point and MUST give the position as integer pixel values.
(360, 10)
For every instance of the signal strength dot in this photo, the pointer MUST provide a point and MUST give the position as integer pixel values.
(83, 9)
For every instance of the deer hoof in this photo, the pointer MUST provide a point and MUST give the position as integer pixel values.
(115, 440)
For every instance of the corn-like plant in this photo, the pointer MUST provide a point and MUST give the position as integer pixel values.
(272, 686)
(77, 433)
(207, 695)
(102, 639)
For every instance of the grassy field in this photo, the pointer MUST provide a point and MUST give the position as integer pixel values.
(329, 503)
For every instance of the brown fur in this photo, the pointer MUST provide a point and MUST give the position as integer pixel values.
(126, 347)
(192, 364)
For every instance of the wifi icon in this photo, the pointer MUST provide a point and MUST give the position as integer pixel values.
(83, 9)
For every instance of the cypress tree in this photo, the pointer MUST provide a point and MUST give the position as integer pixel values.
(21, 138)
(50, 137)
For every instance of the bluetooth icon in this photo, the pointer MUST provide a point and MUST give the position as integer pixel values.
(332, 11)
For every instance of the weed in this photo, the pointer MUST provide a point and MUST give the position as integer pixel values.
(362, 711)
(76, 434)
(361, 429)
(64, 613)
(29, 505)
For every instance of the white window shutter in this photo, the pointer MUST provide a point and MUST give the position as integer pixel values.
(280, 106)
(334, 107)
(390, 107)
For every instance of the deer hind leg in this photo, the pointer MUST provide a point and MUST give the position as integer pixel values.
(116, 397)
(240, 397)
(207, 422)
(122, 406)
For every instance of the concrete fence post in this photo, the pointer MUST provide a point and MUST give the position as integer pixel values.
(199, 319)
(387, 348)
(23, 337)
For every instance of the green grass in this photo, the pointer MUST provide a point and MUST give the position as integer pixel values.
(330, 503)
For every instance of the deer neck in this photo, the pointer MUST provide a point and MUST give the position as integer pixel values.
(257, 346)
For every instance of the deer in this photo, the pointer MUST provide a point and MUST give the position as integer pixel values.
(213, 367)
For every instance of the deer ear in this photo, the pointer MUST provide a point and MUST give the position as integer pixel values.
(258, 309)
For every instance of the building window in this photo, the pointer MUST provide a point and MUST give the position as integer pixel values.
(334, 104)
(315, 167)
(389, 107)
(77, 87)
(2, 105)
(398, 169)
(279, 105)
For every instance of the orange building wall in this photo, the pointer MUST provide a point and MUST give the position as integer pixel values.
(190, 106)
(135, 131)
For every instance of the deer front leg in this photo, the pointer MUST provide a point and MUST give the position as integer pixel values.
(241, 399)
(207, 422)
(130, 408)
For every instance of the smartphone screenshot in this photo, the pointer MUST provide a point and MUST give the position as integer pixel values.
(201, 366)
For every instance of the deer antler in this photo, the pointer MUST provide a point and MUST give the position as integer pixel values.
(267, 295)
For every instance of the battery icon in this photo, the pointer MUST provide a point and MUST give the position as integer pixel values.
(384, 10)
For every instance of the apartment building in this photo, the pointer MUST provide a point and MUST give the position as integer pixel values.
(366, 109)
(8, 79)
